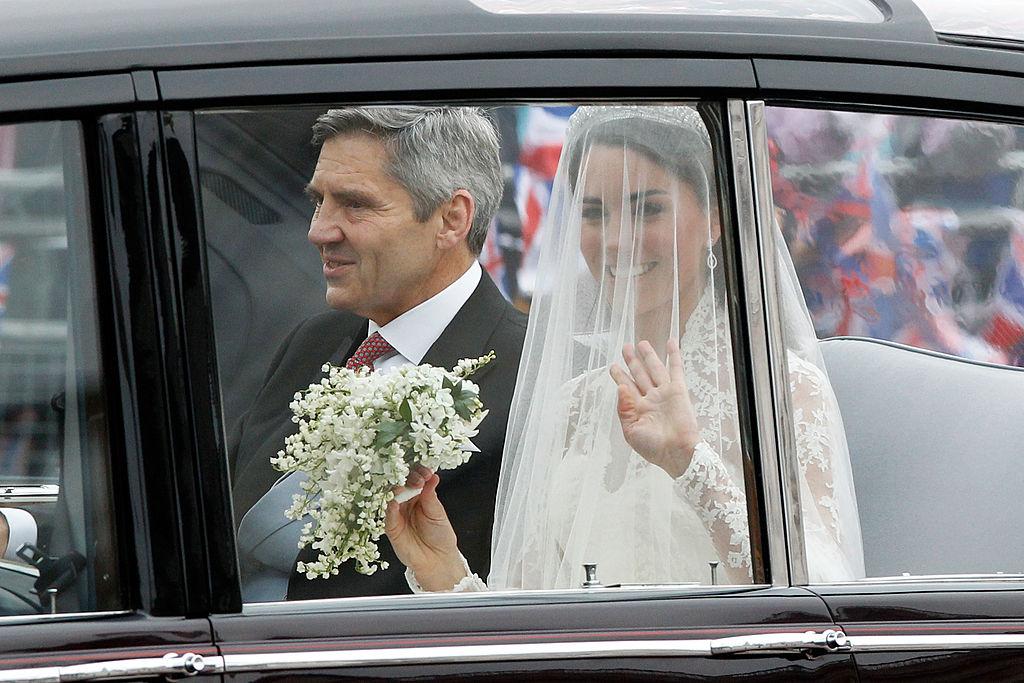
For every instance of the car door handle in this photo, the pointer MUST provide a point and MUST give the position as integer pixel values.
(172, 664)
(808, 642)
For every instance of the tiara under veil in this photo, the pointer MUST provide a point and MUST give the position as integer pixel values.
(629, 253)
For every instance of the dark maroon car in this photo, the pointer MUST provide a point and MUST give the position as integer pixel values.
(153, 256)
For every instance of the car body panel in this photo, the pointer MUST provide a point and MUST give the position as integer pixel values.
(136, 88)
(68, 640)
(946, 613)
(525, 620)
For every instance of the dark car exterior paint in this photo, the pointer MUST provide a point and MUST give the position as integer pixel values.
(134, 88)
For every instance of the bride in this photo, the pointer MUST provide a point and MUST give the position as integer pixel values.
(623, 447)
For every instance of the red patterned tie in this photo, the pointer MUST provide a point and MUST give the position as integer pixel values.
(372, 348)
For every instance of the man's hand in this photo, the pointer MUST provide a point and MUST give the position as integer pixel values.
(422, 536)
(655, 411)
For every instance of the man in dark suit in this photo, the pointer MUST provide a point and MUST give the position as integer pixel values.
(403, 199)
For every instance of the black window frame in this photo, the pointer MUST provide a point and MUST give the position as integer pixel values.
(115, 114)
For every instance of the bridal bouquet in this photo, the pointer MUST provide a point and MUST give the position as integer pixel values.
(360, 433)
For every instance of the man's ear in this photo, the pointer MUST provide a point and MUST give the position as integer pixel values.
(456, 219)
(715, 225)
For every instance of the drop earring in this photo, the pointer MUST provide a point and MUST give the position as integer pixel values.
(712, 259)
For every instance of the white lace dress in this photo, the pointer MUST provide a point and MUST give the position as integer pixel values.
(649, 528)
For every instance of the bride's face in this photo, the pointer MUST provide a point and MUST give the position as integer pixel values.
(627, 198)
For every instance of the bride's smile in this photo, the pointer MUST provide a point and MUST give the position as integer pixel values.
(636, 271)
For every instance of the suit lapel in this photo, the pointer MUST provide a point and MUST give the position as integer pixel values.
(471, 328)
(348, 344)
(337, 344)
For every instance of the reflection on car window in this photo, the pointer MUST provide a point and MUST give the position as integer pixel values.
(56, 527)
(598, 269)
(907, 236)
(983, 19)
(821, 10)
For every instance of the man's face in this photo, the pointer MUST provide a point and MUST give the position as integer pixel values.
(377, 257)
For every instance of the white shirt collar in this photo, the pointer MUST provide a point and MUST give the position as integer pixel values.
(414, 332)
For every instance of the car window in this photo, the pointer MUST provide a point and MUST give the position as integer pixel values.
(57, 526)
(610, 240)
(906, 234)
(986, 19)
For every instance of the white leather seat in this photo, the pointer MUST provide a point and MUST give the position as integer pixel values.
(937, 446)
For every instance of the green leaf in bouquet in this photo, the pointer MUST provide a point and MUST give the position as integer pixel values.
(466, 403)
(447, 383)
(405, 410)
(463, 409)
(388, 431)
(463, 394)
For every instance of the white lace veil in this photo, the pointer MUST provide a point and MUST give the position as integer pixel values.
(629, 252)
(828, 501)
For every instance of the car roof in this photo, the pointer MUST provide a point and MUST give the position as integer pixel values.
(106, 36)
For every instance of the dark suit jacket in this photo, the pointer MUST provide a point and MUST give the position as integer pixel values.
(486, 322)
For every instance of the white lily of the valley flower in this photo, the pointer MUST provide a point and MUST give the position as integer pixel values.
(359, 435)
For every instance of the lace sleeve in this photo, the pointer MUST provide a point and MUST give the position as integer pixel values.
(470, 583)
(831, 522)
(707, 486)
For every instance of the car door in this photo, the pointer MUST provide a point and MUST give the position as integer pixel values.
(94, 581)
(902, 211)
(248, 196)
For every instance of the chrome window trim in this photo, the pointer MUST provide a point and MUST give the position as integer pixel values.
(777, 365)
(496, 598)
(23, 619)
(743, 160)
(931, 579)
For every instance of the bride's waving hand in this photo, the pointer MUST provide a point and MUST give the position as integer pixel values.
(655, 411)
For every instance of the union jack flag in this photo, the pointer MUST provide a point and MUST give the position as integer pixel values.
(540, 134)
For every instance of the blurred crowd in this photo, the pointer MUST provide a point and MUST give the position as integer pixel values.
(905, 228)
(908, 229)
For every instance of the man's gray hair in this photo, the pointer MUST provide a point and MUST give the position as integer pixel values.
(432, 152)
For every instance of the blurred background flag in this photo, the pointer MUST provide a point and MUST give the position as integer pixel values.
(1006, 330)
(531, 143)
